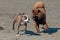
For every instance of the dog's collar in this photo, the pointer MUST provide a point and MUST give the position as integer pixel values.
(26, 19)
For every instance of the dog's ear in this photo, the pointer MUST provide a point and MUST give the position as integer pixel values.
(32, 11)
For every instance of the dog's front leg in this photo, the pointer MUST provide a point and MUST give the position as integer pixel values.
(25, 26)
(45, 24)
(37, 27)
(18, 26)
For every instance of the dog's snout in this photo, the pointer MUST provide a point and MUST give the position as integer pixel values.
(38, 11)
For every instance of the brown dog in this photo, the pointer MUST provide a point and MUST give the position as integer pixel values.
(39, 16)
(18, 19)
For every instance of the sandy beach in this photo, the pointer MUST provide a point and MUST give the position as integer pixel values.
(8, 8)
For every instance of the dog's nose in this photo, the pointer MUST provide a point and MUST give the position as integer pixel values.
(29, 19)
(38, 11)
(34, 16)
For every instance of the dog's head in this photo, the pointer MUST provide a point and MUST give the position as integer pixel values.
(38, 5)
(25, 18)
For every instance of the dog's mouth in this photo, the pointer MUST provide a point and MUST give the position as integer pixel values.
(34, 17)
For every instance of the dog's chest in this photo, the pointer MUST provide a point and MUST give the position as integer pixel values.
(22, 23)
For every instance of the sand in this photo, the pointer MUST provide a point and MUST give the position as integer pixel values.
(8, 8)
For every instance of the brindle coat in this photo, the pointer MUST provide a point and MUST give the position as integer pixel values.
(39, 16)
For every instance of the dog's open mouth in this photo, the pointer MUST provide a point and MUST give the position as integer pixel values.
(34, 17)
(37, 19)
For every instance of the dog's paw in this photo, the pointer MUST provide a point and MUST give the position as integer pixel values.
(17, 34)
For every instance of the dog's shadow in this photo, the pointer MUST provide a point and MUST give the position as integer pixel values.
(51, 30)
(31, 33)
(1, 28)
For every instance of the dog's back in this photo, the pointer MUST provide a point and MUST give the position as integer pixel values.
(17, 18)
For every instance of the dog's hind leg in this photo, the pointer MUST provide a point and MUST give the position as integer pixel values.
(18, 26)
(37, 27)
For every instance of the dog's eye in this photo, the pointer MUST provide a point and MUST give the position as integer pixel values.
(32, 10)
